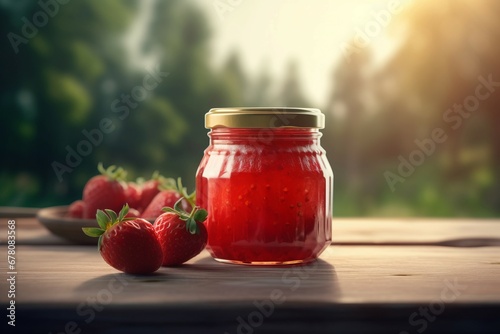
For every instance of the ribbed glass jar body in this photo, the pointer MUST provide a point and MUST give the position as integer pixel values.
(268, 192)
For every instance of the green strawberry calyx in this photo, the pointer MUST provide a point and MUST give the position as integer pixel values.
(197, 215)
(106, 219)
(171, 184)
(156, 176)
(167, 183)
(113, 173)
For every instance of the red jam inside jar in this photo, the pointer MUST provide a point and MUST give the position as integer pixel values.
(267, 186)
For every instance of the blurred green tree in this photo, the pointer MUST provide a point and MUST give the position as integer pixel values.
(443, 49)
(291, 94)
(76, 73)
(51, 89)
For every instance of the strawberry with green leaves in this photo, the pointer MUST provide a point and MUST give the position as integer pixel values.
(127, 244)
(150, 188)
(104, 191)
(170, 193)
(182, 235)
(133, 193)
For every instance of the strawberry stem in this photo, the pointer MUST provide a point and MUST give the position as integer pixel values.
(106, 219)
(197, 215)
(171, 184)
(113, 173)
(167, 183)
(190, 198)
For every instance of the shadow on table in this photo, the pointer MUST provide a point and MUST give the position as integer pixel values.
(211, 297)
(209, 280)
(297, 282)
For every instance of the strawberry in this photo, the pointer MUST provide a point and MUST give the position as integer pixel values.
(104, 191)
(127, 244)
(167, 198)
(133, 194)
(182, 236)
(76, 209)
(132, 213)
(161, 200)
(150, 189)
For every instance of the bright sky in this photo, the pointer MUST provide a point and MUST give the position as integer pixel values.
(270, 33)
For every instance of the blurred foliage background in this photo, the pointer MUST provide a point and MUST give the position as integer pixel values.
(385, 93)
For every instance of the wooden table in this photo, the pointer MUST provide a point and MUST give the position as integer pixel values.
(379, 276)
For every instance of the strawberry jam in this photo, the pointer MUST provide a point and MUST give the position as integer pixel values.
(267, 189)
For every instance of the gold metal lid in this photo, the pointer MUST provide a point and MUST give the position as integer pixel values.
(264, 118)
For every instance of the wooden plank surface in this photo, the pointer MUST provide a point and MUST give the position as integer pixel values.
(350, 289)
(364, 274)
(346, 231)
(378, 278)
(401, 231)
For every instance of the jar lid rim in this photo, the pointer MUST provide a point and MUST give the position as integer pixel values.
(264, 117)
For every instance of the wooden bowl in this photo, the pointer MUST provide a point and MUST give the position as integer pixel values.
(57, 221)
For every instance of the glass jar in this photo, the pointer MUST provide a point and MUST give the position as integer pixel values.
(267, 186)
